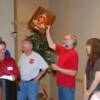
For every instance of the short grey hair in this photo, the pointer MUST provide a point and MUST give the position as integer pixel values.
(74, 37)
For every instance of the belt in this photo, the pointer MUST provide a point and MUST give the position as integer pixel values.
(29, 80)
(32, 79)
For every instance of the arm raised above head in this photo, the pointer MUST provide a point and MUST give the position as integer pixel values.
(49, 39)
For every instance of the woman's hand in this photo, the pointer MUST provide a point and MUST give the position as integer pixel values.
(86, 95)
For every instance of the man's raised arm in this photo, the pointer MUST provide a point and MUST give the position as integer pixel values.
(50, 41)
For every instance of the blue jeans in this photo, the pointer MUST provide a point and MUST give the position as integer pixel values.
(28, 90)
(66, 93)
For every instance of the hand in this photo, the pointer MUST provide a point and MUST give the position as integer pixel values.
(37, 78)
(86, 95)
(48, 29)
(54, 67)
(13, 77)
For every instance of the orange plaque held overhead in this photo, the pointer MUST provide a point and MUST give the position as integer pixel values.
(41, 19)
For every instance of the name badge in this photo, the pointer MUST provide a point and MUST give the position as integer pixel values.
(9, 68)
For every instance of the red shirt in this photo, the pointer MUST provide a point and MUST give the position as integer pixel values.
(67, 59)
(8, 67)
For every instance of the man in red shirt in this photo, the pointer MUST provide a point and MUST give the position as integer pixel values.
(67, 65)
(9, 73)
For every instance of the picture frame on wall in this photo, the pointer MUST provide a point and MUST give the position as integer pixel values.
(41, 19)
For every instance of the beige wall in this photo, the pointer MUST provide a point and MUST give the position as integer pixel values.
(6, 27)
(80, 17)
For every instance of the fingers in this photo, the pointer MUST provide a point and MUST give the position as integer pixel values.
(48, 28)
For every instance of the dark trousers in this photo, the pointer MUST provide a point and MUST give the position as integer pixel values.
(8, 89)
